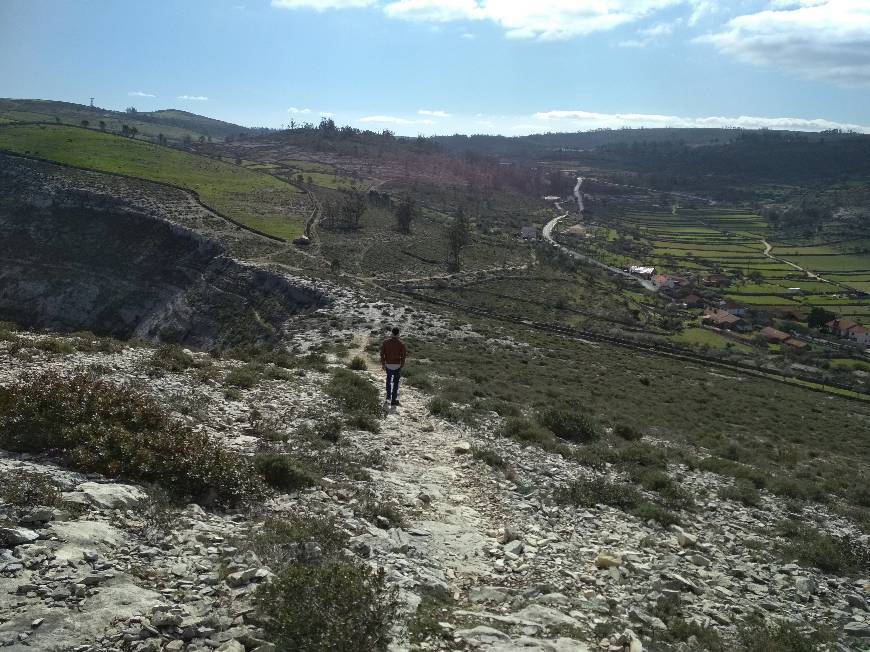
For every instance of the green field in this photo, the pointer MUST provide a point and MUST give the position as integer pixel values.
(256, 200)
(707, 337)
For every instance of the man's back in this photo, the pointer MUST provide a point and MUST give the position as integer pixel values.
(393, 351)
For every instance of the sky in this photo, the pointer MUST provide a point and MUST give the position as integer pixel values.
(510, 67)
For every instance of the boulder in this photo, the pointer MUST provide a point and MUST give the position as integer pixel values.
(16, 536)
(112, 496)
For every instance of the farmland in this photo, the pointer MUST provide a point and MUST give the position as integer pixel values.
(732, 242)
(254, 199)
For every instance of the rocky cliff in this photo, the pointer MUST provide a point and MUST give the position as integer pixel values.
(74, 256)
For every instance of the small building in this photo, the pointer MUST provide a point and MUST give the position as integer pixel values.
(302, 241)
(798, 344)
(733, 308)
(774, 335)
(722, 319)
(642, 270)
(842, 327)
(669, 282)
(859, 334)
(529, 233)
(693, 301)
(718, 280)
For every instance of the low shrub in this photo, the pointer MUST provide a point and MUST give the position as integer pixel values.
(329, 428)
(735, 470)
(265, 427)
(647, 510)
(570, 423)
(370, 507)
(588, 493)
(359, 421)
(171, 358)
(118, 431)
(274, 540)
(811, 547)
(358, 363)
(23, 488)
(488, 457)
(526, 430)
(627, 432)
(283, 472)
(333, 607)
(353, 392)
(263, 355)
(443, 408)
(417, 377)
(759, 636)
(741, 491)
(245, 377)
(54, 345)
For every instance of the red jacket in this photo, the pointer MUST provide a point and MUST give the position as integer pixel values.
(393, 351)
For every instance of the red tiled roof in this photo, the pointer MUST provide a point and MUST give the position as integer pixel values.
(773, 334)
(720, 316)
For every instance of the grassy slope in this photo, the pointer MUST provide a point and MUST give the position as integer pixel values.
(173, 124)
(251, 198)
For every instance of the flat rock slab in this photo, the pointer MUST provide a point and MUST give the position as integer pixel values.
(62, 629)
(111, 495)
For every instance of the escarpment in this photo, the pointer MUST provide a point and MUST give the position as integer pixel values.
(74, 257)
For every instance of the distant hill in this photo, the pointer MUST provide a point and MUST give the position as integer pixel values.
(175, 125)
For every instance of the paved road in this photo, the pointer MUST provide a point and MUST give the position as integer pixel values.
(547, 232)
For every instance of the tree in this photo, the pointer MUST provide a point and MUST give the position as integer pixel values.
(161, 139)
(405, 213)
(202, 140)
(187, 139)
(818, 317)
(125, 130)
(102, 125)
(457, 237)
(131, 109)
(133, 131)
(85, 123)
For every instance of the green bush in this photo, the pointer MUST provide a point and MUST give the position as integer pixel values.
(365, 422)
(778, 636)
(627, 432)
(358, 363)
(571, 423)
(488, 457)
(523, 429)
(118, 431)
(333, 607)
(588, 493)
(274, 538)
(441, 407)
(415, 376)
(245, 377)
(171, 358)
(329, 428)
(735, 470)
(263, 355)
(370, 507)
(353, 392)
(22, 488)
(54, 345)
(811, 547)
(742, 491)
(283, 472)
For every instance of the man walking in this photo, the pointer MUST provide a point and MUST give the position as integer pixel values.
(393, 354)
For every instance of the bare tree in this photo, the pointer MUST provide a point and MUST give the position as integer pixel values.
(85, 123)
(458, 237)
(405, 213)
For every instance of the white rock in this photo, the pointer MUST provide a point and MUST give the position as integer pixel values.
(113, 496)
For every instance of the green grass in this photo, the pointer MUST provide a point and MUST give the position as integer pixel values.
(253, 199)
(706, 337)
(333, 181)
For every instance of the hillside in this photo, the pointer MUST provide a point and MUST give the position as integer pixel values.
(578, 463)
(173, 124)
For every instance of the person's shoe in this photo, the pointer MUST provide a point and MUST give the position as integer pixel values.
(396, 404)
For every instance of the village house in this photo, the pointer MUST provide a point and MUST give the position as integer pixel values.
(841, 327)
(668, 282)
(722, 319)
(719, 280)
(693, 301)
(733, 308)
(860, 335)
(798, 344)
(774, 335)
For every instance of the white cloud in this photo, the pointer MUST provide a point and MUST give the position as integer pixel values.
(650, 35)
(555, 120)
(195, 98)
(321, 5)
(529, 19)
(326, 114)
(395, 120)
(826, 40)
(434, 114)
(293, 109)
(140, 94)
(541, 19)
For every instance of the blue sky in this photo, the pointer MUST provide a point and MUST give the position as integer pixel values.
(452, 66)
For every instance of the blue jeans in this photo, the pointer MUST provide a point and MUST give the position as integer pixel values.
(393, 376)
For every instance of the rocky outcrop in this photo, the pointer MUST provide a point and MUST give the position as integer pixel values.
(78, 259)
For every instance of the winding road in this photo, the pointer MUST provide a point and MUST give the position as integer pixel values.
(547, 232)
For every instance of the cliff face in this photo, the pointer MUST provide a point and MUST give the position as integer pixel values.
(74, 258)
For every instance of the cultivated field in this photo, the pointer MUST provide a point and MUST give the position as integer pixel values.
(254, 199)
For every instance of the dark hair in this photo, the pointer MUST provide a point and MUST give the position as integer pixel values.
(395, 330)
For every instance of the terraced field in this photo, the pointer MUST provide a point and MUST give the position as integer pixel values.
(734, 242)
(251, 198)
